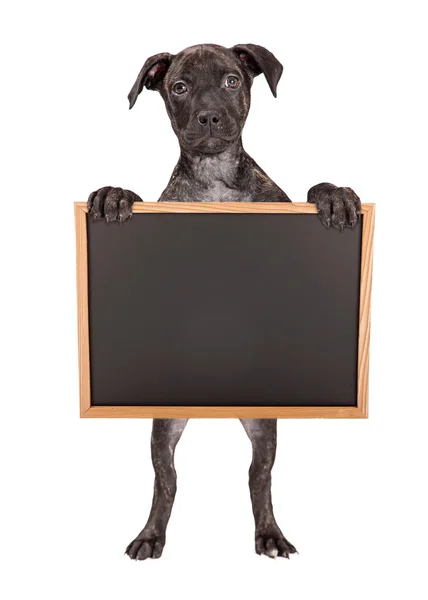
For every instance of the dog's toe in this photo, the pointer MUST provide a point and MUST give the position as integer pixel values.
(111, 203)
(273, 546)
(142, 548)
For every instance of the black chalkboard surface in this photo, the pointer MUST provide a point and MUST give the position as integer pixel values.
(223, 309)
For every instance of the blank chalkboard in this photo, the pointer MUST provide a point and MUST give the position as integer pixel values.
(224, 312)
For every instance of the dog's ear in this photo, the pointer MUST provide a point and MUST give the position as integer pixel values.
(151, 75)
(259, 60)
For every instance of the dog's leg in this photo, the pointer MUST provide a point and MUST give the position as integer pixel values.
(150, 542)
(269, 538)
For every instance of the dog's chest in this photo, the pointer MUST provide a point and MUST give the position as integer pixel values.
(218, 191)
(217, 182)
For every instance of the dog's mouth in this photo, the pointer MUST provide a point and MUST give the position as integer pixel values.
(209, 143)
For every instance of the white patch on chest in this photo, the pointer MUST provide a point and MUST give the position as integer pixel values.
(216, 179)
(219, 192)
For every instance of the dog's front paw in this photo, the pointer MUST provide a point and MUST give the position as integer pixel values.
(337, 206)
(112, 203)
(146, 546)
(273, 544)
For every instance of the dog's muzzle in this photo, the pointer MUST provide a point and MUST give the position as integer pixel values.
(210, 128)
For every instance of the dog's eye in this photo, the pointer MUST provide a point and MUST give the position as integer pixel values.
(179, 88)
(232, 81)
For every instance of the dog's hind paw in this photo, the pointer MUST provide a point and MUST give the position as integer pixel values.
(273, 545)
(145, 546)
(111, 203)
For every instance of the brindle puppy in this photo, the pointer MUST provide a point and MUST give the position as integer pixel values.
(206, 89)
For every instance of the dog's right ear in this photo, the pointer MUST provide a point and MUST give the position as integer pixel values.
(151, 75)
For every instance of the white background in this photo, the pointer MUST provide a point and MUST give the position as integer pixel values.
(351, 496)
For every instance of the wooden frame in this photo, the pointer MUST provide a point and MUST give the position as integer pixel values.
(359, 411)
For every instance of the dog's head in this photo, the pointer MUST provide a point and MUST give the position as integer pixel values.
(206, 89)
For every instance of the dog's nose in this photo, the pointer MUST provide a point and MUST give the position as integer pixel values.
(206, 117)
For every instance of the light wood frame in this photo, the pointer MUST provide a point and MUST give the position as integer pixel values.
(359, 411)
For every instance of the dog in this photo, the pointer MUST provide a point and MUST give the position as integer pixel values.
(206, 90)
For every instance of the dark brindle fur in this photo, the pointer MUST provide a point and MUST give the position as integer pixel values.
(206, 90)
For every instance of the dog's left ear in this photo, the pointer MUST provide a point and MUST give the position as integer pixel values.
(259, 60)
(151, 75)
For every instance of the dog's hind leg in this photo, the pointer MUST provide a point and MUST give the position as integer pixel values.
(269, 538)
(150, 542)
